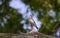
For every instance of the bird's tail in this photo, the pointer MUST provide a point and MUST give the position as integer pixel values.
(36, 26)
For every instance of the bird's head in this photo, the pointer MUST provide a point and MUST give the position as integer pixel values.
(30, 16)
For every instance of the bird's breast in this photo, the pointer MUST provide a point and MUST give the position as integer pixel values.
(31, 21)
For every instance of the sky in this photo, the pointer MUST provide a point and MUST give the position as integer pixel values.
(0, 2)
(23, 8)
(58, 32)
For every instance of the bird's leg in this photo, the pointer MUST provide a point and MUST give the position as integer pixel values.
(33, 30)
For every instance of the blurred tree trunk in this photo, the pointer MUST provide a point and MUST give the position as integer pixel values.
(25, 35)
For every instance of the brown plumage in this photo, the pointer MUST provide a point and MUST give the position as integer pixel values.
(32, 22)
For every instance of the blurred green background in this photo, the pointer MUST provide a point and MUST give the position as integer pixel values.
(50, 23)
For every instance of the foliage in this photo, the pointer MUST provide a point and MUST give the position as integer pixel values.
(44, 6)
(13, 19)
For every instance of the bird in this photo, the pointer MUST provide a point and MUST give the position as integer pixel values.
(32, 22)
